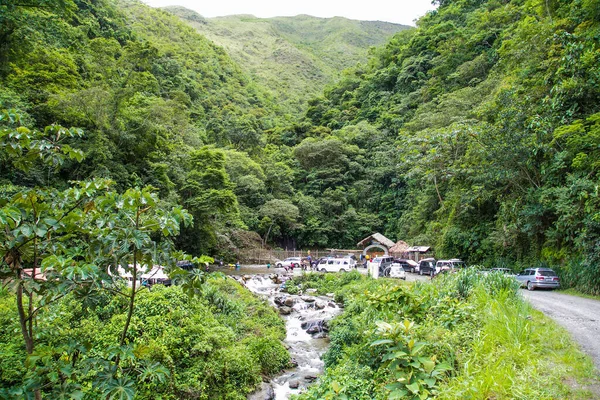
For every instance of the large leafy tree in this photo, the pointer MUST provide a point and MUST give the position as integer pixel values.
(55, 242)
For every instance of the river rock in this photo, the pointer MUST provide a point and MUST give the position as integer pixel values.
(279, 300)
(331, 304)
(319, 335)
(294, 383)
(289, 302)
(265, 392)
(315, 326)
(310, 377)
(293, 363)
(246, 278)
(308, 299)
(319, 305)
(285, 310)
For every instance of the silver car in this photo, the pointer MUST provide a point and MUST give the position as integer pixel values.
(533, 278)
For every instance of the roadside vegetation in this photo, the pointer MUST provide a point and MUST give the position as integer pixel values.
(463, 335)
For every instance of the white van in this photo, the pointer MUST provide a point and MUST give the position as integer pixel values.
(336, 265)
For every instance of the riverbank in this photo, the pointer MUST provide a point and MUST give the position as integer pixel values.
(465, 335)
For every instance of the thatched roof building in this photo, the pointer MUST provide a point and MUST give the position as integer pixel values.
(400, 247)
(375, 238)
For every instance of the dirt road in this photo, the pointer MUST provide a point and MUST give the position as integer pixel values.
(581, 317)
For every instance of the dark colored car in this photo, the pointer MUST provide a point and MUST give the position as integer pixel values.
(427, 266)
(407, 265)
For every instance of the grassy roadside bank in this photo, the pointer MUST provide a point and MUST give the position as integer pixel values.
(463, 336)
(575, 292)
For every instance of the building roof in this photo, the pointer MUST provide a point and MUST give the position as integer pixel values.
(400, 247)
(420, 249)
(377, 237)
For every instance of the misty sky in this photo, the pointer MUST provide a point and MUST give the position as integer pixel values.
(399, 11)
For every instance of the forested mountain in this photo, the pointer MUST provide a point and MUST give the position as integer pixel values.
(148, 92)
(475, 133)
(294, 57)
(484, 134)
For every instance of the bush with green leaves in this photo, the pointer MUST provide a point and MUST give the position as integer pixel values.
(184, 348)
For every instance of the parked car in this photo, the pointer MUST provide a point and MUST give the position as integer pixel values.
(383, 263)
(408, 265)
(335, 265)
(290, 262)
(533, 278)
(427, 266)
(451, 265)
(396, 270)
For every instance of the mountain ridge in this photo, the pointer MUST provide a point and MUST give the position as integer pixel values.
(294, 57)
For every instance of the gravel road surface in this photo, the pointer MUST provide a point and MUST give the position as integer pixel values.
(581, 317)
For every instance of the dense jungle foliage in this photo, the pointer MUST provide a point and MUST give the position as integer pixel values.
(474, 133)
(479, 132)
(462, 336)
(214, 346)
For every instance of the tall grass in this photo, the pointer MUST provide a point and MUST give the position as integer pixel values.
(517, 354)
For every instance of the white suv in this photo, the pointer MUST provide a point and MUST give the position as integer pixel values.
(336, 265)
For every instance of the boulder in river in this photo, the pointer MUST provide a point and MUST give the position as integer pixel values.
(308, 299)
(315, 326)
(265, 392)
(294, 383)
(319, 335)
(289, 302)
(319, 305)
(310, 377)
(279, 300)
(285, 310)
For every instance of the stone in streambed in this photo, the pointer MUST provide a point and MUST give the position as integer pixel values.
(289, 302)
(294, 384)
(285, 310)
(265, 392)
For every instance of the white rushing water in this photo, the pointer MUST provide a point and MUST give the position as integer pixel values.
(305, 348)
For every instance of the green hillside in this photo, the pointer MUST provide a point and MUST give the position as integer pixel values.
(292, 56)
(485, 134)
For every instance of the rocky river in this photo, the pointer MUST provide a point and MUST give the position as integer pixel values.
(306, 316)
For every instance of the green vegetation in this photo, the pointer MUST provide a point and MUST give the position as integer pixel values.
(476, 133)
(464, 335)
(216, 345)
(295, 57)
(483, 143)
(448, 136)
